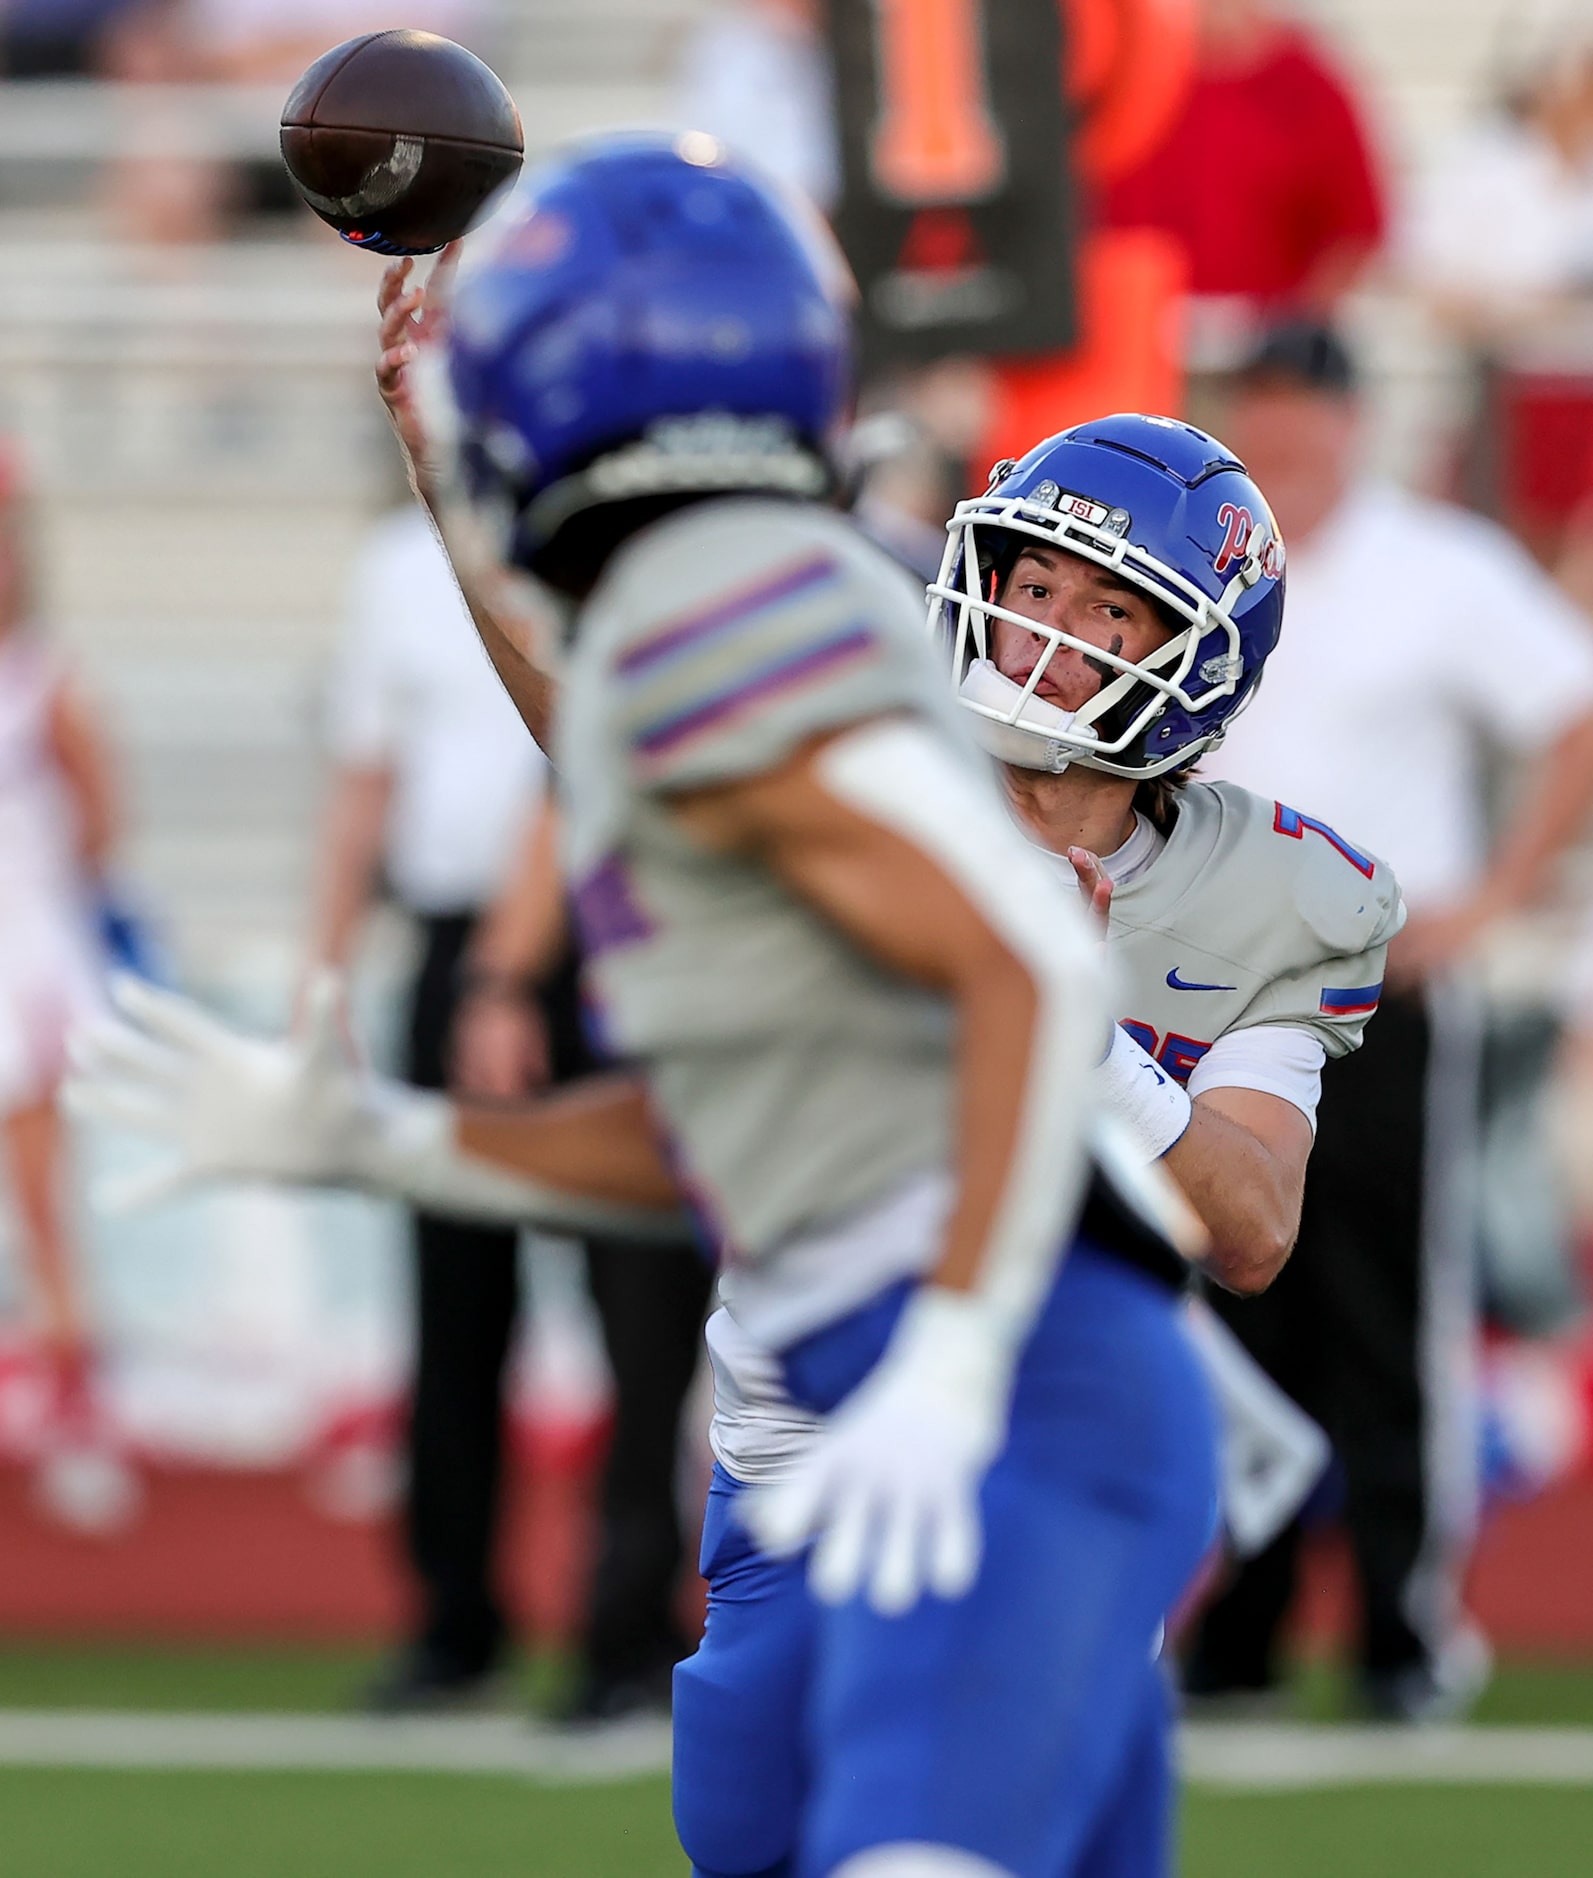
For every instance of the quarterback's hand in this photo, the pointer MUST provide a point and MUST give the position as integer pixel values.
(1094, 882)
(228, 1106)
(412, 317)
(888, 1494)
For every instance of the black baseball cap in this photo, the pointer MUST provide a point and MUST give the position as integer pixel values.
(1304, 353)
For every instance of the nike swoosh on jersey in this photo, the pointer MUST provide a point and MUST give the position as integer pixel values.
(1175, 983)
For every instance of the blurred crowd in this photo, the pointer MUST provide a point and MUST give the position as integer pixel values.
(182, 41)
(1433, 698)
(155, 190)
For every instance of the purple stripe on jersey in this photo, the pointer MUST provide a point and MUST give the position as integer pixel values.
(713, 1240)
(728, 612)
(790, 673)
(1351, 1003)
(607, 911)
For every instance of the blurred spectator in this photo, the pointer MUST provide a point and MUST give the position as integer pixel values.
(1266, 177)
(1501, 229)
(909, 456)
(904, 493)
(270, 42)
(1416, 636)
(267, 41)
(439, 787)
(519, 1023)
(57, 830)
(58, 38)
(176, 198)
(162, 186)
(1500, 242)
(755, 74)
(434, 778)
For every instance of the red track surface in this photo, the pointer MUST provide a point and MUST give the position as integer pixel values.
(248, 1556)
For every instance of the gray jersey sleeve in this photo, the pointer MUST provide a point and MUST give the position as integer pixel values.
(735, 633)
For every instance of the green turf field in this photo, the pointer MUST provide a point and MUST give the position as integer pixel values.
(72, 1823)
(170, 1825)
(1391, 1832)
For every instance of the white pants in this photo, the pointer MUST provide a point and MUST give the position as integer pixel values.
(51, 979)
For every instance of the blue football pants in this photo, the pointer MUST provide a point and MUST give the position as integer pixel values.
(1026, 1723)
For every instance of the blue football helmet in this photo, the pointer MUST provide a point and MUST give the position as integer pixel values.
(1165, 507)
(647, 317)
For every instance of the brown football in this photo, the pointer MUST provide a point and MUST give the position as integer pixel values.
(397, 140)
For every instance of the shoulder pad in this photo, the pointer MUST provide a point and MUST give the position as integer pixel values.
(1344, 895)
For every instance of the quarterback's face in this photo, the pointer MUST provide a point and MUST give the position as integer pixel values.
(1074, 596)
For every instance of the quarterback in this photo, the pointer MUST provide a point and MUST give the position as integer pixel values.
(863, 1012)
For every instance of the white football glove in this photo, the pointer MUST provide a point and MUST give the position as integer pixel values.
(297, 1111)
(888, 1493)
(229, 1106)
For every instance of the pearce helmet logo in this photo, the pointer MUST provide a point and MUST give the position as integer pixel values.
(1238, 522)
(1254, 545)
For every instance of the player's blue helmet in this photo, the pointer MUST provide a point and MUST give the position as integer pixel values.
(647, 317)
(1167, 508)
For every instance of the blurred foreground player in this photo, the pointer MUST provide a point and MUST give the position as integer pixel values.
(862, 1007)
(1106, 613)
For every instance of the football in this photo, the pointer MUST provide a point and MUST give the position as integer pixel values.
(398, 139)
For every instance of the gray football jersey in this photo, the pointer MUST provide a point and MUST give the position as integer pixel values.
(1253, 913)
(800, 1081)
(1250, 914)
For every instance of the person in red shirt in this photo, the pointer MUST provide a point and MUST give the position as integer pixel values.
(1266, 176)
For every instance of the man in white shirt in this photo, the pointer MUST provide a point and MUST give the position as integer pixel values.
(756, 74)
(1500, 230)
(1419, 637)
(434, 780)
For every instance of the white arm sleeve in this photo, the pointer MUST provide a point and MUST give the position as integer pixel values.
(901, 775)
(1277, 1059)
